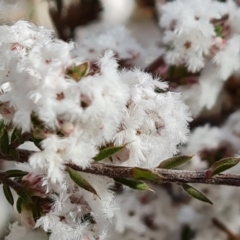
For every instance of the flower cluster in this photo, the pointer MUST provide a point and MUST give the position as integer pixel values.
(168, 212)
(202, 41)
(75, 105)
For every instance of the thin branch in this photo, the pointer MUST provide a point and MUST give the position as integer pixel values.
(23, 156)
(8, 181)
(217, 223)
(165, 175)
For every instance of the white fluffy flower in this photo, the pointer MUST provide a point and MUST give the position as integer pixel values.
(154, 123)
(204, 37)
(74, 106)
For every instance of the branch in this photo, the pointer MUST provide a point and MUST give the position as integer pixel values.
(165, 175)
(223, 228)
(23, 156)
(11, 183)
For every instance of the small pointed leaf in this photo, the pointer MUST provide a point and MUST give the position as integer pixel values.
(36, 211)
(39, 132)
(134, 184)
(145, 174)
(1, 125)
(15, 154)
(36, 121)
(4, 142)
(223, 165)
(78, 71)
(187, 233)
(107, 152)
(80, 181)
(37, 142)
(24, 194)
(219, 31)
(17, 135)
(196, 193)
(174, 162)
(15, 173)
(8, 194)
(19, 204)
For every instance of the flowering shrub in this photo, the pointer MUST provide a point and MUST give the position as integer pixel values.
(100, 125)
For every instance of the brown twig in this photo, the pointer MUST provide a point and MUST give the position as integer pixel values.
(11, 183)
(217, 223)
(23, 156)
(165, 175)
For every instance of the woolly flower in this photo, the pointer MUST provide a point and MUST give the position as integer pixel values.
(206, 41)
(73, 108)
(77, 212)
(22, 233)
(47, 98)
(210, 144)
(190, 31)
(88, 114)
(118, 39)
(155, 122)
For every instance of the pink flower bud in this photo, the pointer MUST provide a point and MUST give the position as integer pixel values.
(7, 111)
(67, 127)
(35, 183)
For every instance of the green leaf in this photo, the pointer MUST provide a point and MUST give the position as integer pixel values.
(223, 165)
(187, 233)
(4, 142)
(15, 173)
(8, 194)
(134, 184)
(107, 152)
(19, 204)
(145, 174)
(80, 181)
(196, 193)
(218, 30)
(36, 121)
(17, 136)
(1, 125)
(36, 211)
(15, 154)
(39, 132)
(37, 142)
(24, 194)
(76, 72)
(174, 162)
